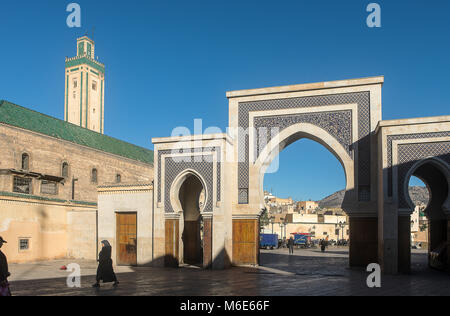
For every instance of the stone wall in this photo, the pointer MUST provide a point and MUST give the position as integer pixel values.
(56, 226)
(45, 224)
(82, 234)
(47, 155)
(150, 223)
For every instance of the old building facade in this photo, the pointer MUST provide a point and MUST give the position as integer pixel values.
(64, 185)
(49, 173)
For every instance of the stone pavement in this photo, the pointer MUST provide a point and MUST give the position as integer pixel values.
(307, 272)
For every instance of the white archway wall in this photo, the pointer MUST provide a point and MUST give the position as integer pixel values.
(302, 130)
(392, 250)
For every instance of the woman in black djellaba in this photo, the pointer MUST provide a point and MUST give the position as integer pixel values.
(105, 271)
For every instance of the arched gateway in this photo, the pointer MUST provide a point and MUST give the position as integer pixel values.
(228, 169)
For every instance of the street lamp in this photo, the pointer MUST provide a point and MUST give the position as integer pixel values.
(341, 226)
(284, 225)
(281, 229)
(272, 221)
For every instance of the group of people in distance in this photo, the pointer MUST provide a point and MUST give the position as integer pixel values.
(323, 245)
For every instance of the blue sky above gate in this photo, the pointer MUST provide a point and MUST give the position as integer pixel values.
(170, 62)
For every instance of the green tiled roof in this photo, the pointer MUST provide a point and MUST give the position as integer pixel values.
(18, 116)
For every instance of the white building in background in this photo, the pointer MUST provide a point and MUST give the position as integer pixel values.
(333, 227)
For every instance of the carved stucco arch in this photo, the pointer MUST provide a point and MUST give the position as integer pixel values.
(296, 132)
(441, 166)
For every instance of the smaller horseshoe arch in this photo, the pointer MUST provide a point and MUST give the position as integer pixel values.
(188, 196)
(435, 174)
(177, 185)
(421, 170)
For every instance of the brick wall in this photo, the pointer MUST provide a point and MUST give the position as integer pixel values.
(47, 155)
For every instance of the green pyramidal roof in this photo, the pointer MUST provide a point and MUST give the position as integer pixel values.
(18, 116)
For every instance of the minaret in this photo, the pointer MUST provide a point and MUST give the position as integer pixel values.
(85, 88)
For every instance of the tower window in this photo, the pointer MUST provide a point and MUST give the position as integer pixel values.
(74, 94)
(118, 178)
(80, 49)
(94, 85)
(93, 110)
(25, 161)
(75, 83)
(94, 176)
(65, 169)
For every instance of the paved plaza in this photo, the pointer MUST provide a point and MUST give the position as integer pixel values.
(307, 272)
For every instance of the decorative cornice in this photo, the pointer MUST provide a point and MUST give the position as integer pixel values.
(307, 87)
(83, 59)
(125, 188)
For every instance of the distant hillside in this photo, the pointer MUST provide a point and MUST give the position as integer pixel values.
(417, 194)
(332, 201)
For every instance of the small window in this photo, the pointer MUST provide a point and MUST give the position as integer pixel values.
(49, 187)
(74, 95)
(25, 161)
(93, 110)
(75, 83)
(22, 185)
(65, 169)
(118, 178)
(94, 85)
(94, 176)
(24, 244)
(325, 233)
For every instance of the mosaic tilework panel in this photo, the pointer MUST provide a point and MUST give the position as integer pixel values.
(174, 168)
(338, 124)
(196, 150)
(391, 138)
(362, 99)
(243, 196)
(409, 154)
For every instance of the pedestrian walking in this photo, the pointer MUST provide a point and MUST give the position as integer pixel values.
(322, 245)
(291, 245)
(105, 271)
(4, 273)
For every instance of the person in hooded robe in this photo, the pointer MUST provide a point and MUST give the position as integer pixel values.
(4, 273)
(105, 271)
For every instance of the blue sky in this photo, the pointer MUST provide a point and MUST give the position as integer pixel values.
(170, 62)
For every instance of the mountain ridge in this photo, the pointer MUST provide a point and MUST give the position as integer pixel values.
(419, 195)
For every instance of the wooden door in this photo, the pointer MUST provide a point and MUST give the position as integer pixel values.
(245, 241)
(171, 258)
(126, 238)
